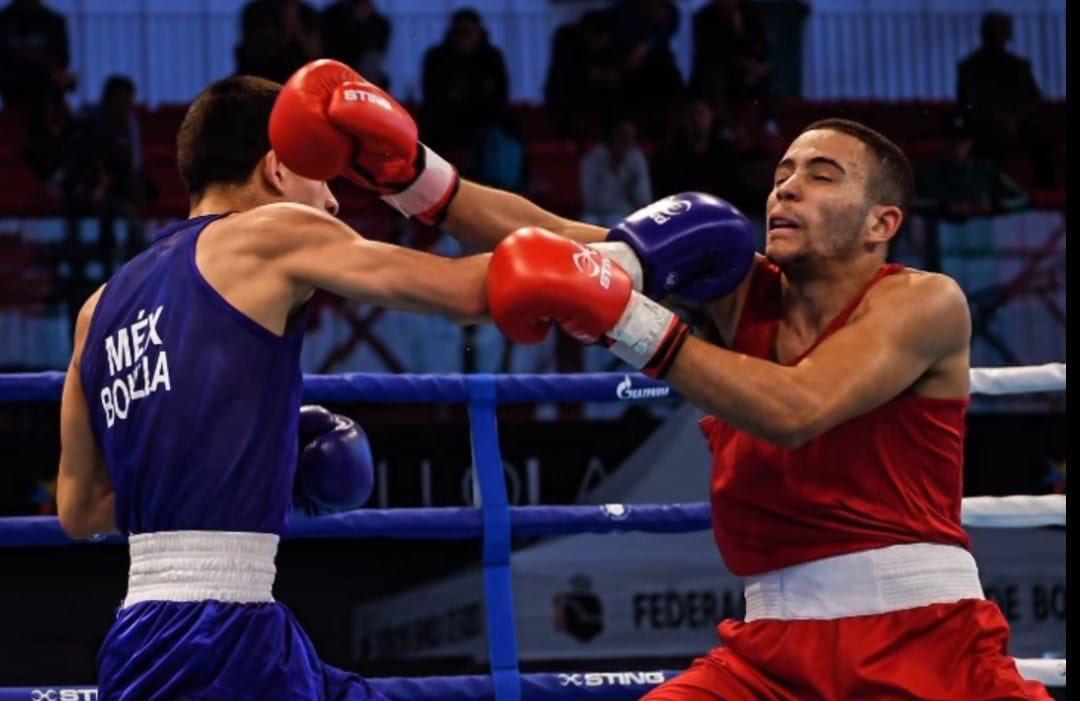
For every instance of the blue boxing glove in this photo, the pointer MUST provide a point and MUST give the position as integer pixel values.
(693, 245)
(335, 470)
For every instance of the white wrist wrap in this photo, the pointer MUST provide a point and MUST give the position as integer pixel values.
(641, 329)
(428, 190)
(622, 254)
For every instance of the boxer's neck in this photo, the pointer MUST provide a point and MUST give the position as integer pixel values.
(219, 200)
(812, 298)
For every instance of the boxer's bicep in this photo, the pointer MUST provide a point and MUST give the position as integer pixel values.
(899, 338)
(84, 492)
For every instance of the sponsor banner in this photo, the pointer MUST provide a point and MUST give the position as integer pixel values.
(67, 694)
(663, 596)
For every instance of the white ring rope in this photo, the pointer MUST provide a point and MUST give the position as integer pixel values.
(1018, 380)
(1049, 672)
(1018, 511)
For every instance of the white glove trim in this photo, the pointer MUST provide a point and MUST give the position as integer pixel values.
(622, 254)
(428, 190)
(641, 330)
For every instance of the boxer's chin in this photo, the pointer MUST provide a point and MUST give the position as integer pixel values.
(783, 249)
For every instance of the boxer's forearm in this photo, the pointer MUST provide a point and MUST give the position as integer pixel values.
(483, 216)
(93, 514)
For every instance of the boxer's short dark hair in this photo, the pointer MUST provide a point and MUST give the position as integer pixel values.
(224, 133)
(892, 180)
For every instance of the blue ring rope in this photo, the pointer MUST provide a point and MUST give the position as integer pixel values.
(411, 388)
(441, 523)
(495, 509)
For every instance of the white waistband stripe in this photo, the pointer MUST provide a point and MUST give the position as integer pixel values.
(201, 566)
(869, 582)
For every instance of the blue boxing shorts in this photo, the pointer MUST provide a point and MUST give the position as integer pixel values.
(176, 639)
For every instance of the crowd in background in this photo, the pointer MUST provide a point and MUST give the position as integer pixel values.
(612, 84)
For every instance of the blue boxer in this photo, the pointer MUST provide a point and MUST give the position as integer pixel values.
(203, 505)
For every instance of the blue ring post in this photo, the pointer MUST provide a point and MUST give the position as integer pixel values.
(495, 510)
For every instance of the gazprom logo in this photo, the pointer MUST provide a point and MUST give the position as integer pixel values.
(626, 391)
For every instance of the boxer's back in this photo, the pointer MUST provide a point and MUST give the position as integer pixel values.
(193, 403)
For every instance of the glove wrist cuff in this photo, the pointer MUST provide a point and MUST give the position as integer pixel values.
(642, 330)
(624, 255)
(428, 196)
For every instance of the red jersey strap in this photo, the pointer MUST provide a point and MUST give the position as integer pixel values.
(756, 333)
(762, 312)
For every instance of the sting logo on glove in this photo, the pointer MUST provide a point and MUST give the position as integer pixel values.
(365, 96)
(594, 264)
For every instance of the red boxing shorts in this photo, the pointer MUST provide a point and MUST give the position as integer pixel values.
(942, 651)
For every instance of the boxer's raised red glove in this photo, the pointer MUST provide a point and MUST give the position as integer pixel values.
(537, 279)
(329, 121)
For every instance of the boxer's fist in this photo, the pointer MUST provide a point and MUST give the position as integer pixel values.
(335, 469)
(537, 279)
(693, 245)
(329, 121)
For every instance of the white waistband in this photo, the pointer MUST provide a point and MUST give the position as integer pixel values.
(200, 566)
(869, 582)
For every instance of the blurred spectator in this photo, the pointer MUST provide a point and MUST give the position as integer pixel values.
(961, 185)
(731, 60)
(102, 177)
(276, 38)
(498, 157)
(1000, 100)
(585, 79)
(354, 33)
(465, 84)
(114, 128)
(34, 56)
(615, 176)
(643, 30)
(698, 155)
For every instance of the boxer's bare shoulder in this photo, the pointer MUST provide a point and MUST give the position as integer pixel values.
(935, 310)
(931, 296)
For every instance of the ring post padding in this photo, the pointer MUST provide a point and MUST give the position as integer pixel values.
(495, 510)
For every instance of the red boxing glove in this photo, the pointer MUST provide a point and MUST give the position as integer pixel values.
(329, 121)
(537, 279)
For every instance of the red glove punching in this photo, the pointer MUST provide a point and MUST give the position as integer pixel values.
(537, 279)
(329, 121)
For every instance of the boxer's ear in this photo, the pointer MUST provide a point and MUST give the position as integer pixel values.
(883, 222)
(272, 172)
